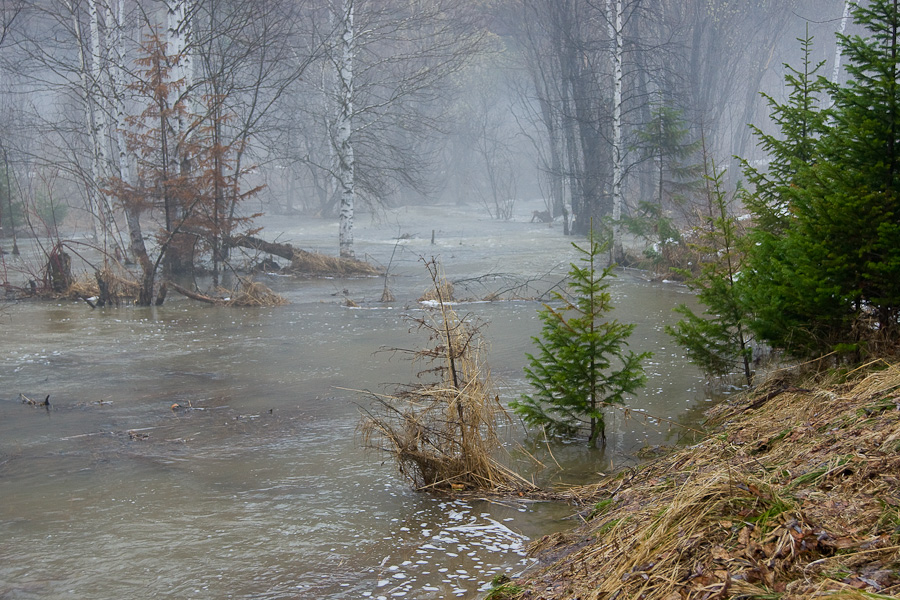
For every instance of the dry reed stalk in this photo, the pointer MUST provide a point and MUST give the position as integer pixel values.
(83, 286)
(442, 433)
(443, 292)
(314, 263)
(120, 285)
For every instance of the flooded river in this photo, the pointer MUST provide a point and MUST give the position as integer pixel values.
(255, 484)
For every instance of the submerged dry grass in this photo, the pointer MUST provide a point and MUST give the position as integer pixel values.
(113, 283)
(253, 293)
(316, 264)
(796, 497)
(442, 431)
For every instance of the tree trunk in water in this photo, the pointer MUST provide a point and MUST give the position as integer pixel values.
(285, 251)
(617, 149)
(344, 141)
(59, 269)
(148, 268)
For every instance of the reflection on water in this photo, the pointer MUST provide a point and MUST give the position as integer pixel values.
(254, 485)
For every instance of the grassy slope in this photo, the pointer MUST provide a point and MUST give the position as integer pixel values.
(796, 495)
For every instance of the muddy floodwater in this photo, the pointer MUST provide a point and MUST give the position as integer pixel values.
(255, 484)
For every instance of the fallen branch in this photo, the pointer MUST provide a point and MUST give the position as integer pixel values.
(195, 295)
(303, 261)
(285, 251)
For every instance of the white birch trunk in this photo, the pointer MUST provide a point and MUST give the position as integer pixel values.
(89, 119)
(343, 141)
(118, 89)
(117, 85)
(836, 71)
(618, 151)
(178, 41)
(100, 128)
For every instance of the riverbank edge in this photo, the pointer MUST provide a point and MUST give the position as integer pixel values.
(795, 493)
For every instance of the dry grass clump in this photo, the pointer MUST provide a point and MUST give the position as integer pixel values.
(798, 497)
(442, 291)
(252, 293)
(84, 286)
(109, 285)
(442, 433)
(314, 263)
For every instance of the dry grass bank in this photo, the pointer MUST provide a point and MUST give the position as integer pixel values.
(796, 496)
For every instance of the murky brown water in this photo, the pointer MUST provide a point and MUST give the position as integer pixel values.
(257, 487)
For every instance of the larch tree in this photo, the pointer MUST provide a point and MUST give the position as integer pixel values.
(244, 70)
(188, 203)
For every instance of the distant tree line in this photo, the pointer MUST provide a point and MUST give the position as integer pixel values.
(163, 119)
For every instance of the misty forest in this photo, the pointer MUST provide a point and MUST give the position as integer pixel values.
(505, 299)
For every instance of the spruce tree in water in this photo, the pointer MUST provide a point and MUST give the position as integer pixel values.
(717, 341)
(582, 363)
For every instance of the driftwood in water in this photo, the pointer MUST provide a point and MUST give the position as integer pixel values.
(303, 261)
(246, 293)
(195, 295)
(285, 251)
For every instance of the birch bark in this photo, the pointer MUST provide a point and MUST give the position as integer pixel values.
(113, 21)
(344, 133)
(836, 72)
(616, 26)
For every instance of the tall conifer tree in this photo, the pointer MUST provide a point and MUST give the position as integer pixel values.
(825, 266)
(854, 225)
(787, 310)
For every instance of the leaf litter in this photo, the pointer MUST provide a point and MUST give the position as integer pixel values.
(794, 495)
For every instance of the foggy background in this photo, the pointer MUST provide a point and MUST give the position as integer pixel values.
(482, 102)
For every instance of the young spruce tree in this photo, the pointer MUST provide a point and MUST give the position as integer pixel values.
(852, 229)
(582, 364)
(718, 341)
(781, 280)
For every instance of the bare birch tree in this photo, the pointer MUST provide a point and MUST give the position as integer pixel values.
(390, 62)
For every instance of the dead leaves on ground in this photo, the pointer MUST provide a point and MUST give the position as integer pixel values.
(795, 498)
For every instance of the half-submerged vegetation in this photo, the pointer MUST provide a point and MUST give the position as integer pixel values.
(116, 283)
(442, 432)
(583, 364)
